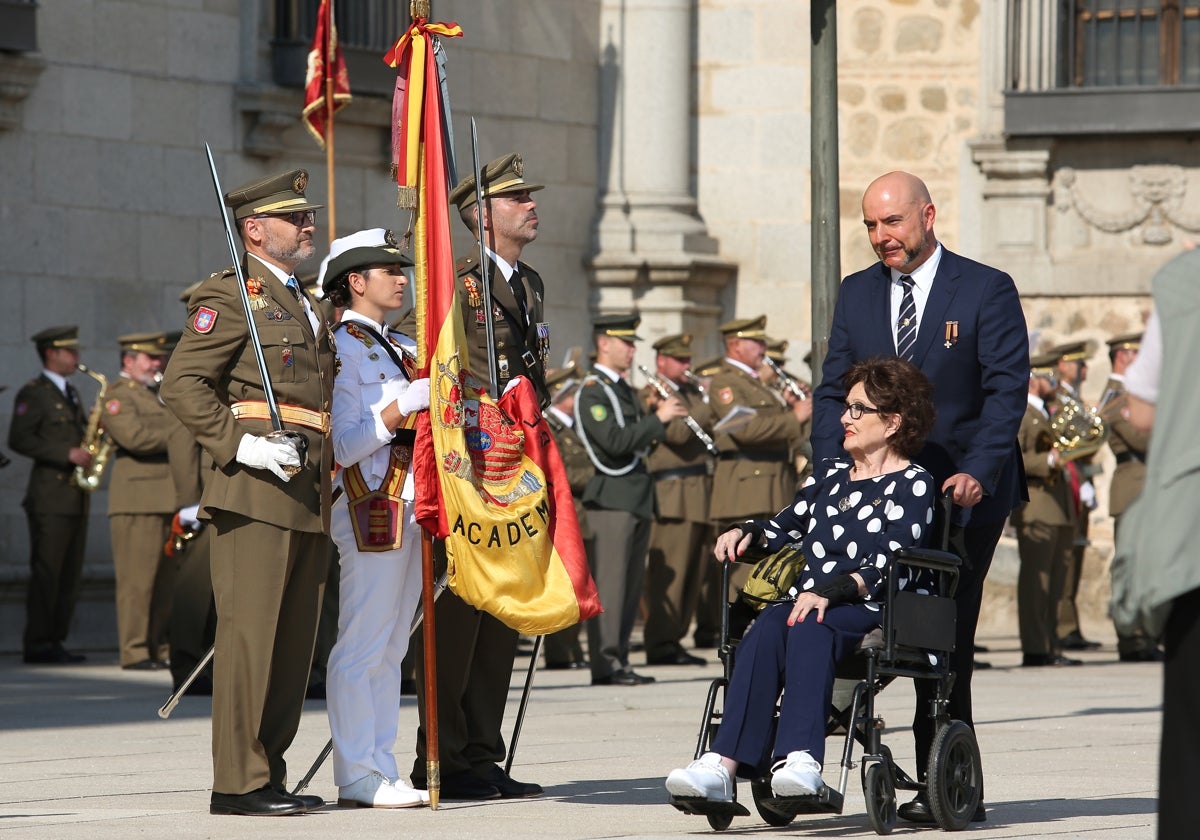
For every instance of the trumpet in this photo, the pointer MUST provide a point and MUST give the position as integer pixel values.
(788, 384)
(664, 391)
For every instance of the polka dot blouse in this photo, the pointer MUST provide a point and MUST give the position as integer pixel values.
(848, 525)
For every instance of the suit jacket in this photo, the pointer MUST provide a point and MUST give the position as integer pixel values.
(214, 366)
(979, 381)
(755, 475)
(140, 425)
(1050, 501)
(45, 426)
(1129, 475)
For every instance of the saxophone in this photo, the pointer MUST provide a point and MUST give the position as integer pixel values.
(98, 444)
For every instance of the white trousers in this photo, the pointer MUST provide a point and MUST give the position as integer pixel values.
(379, 594)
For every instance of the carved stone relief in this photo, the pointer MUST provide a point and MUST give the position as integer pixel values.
(1153, 207)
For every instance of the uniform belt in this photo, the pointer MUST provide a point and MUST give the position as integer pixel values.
(679, 472)
(1127, 456)
(772, 457)
(297, 415)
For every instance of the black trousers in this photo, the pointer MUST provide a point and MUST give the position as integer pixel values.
(975, 545)
(1178, 772)
(56, 547)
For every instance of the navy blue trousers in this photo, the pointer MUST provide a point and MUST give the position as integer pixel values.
(798, 660)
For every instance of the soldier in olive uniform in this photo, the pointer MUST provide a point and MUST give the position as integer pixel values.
(476, 650)
(48, 426)
(1045, 525)
(681, 467)
(1129, 445)
(267, 505)
(617, 435)
(563, 649)
(754, 477)
(141, 502)
(1071, 370)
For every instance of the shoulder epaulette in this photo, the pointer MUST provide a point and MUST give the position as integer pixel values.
(355, 331)
(465, 265)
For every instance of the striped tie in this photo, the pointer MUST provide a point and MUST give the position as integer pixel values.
(906, 325)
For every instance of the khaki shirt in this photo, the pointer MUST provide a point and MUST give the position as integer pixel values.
(1050, 501)
(1130, 446)
(683, 497)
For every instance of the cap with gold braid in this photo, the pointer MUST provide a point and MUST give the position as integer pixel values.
(753, 328)
(621, 325)
(64, 336)
(1073, 351)
(150, 343)
(1042, 364)
(1126, 341)
(777, 350)
(709, 366)
(676, 345)
(274, 195)
(503, 175)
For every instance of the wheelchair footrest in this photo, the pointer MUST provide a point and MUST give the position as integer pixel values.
(825, 801)
(703, 807)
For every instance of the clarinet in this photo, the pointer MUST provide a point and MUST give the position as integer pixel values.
(665, 393)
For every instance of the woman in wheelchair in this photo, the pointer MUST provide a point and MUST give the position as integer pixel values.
(849, 517)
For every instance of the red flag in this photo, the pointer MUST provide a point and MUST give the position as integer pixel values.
(489, 479)
(325, 64)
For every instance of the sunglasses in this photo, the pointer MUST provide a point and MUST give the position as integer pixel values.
(857, 410)
(301, 218)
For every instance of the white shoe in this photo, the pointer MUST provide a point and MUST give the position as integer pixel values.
(406, 786)
(374, 791)
(797, 775)
(704, 777)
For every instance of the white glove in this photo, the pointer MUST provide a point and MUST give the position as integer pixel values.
(263, 454)
(1087, 495)
(512, 383)
(187, 517)
(414, 398)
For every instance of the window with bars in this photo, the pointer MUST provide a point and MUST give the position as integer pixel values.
(1122, 43)
(366, 29)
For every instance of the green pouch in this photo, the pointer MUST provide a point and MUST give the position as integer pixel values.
(772, 577)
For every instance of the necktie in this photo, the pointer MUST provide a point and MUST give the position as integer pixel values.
(293, 286)
(518, 289)
(906, 324)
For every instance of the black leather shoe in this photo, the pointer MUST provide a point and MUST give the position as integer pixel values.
(679, 657)
(1043, 660)
(52, 655)
(566, 666)
(1075, 641)
(918, 811)
(145, 665)
(626, 676)
(310, 802)
(509, 787)
(981, 665)
(463, 786)
(264, 802)
(1152, 655)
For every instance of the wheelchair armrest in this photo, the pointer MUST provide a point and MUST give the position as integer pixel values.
(928, 558)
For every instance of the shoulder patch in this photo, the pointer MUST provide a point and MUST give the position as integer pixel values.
(205, 320)
(113, 407)
(599, 413)
(725, 395)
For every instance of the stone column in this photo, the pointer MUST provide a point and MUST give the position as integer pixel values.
(652, 251)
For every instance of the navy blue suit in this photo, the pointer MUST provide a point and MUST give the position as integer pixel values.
(979, 389)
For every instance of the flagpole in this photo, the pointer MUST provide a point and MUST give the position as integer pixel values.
(329, 110)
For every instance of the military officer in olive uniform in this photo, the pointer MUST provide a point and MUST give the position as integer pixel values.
(48, 425)
(563, 649)
(475, 649)
(1045, 525)
(1071, 370)
(617, 435)
(268, 499)
(141, 501)
(681, 467)
(755, 477)
(1129, 445)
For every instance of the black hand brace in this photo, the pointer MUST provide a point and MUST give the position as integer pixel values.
(839, 590)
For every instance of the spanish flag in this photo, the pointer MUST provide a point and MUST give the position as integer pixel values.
(489, 478)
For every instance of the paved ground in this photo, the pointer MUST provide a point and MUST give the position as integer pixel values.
(1067, 753)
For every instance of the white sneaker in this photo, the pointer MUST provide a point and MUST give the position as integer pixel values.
(374, 791)
(704, 777)
(406, 786)
(797, 775)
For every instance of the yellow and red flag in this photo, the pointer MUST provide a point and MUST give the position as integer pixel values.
(326, 77)
(489, 478)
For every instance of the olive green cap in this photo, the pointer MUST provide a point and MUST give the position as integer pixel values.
(709, 366)
(676, 345)
(503, 175)
(777, 349)
(274, 195)
(754, 328)
(1073, 351)
(64, 336)
(1042, 364)
(1127, 341)
(150, 343)
(621, 325)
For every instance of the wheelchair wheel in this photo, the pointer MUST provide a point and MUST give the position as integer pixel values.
(719, 822)
(879, 790)
(761, 789)
(955, 776)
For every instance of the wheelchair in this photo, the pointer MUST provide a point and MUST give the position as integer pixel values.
(914, 641)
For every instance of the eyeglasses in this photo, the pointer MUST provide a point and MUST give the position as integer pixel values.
(857, 410)
(301, 218)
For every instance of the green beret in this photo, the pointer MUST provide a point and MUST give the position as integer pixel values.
(503, 175)
(275, 195)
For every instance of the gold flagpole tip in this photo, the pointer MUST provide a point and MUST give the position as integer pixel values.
(419, 9)
(433, 782)
(406, 198)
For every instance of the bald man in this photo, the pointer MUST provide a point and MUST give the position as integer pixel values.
(961, 323)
